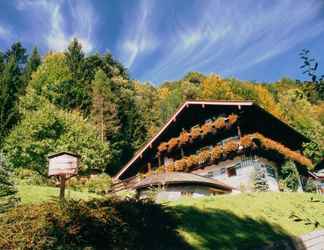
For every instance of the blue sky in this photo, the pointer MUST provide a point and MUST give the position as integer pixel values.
(162, 40)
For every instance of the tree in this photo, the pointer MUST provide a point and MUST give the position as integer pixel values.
(52, 81)
(194, 77)
(11, 87)
(260, 181)
(104, 108)
(315, 87)
(8, 191)
(32, 64)
(290, 176)
(18, 52)
(50, 129)
(74, 57)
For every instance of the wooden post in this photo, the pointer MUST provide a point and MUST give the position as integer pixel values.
(62, 187)
(149, 169)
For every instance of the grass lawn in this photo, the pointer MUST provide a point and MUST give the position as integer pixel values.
(245, 221)
(36, 194)
(242, 221)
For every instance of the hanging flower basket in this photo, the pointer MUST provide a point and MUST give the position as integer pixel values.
(232, 146)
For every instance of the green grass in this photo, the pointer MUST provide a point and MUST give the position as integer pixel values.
(36, 194)
(242, 221)
(245, 221)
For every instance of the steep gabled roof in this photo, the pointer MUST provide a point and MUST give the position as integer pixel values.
(254, 110)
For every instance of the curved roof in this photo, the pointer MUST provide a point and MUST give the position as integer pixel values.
(181, 178)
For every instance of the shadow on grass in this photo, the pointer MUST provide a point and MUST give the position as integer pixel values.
(113, 224)
(219, 229)
(131, 224)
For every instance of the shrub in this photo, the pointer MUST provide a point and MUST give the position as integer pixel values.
(98, 184)
(30, 177)
(260, 181)
(8, 191)
(290, 176)
(104, 224)
(310, 186)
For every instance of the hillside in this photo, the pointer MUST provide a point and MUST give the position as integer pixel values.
(246, 221)
(242, 221)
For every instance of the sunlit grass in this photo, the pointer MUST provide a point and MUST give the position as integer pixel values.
(245, 219)
(37, 194)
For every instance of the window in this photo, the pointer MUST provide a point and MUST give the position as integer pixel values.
(231, 171)
(167, 161)
(209, 174)
(186, 193)
(270, 171)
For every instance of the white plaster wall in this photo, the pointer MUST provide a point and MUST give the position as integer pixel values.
(244, 177)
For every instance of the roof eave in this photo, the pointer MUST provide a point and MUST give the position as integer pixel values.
(182, 107)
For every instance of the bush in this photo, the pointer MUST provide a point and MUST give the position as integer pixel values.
(30, 177)
(8, 191)
(98, 184)
(104, 224)
(310, 186)
(290, 176)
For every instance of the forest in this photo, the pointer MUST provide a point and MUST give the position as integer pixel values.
(90, 104)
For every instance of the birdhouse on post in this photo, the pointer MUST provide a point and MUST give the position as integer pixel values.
(65, 165)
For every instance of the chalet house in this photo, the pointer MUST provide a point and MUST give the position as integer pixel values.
(213, 147)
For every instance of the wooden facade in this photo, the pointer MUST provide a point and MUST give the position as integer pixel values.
(220, 140)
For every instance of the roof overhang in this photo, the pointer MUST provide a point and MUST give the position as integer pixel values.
(172, 119)
(239, 104)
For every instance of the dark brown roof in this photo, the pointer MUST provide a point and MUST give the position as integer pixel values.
(181, 178)
(258, 116)
(62, 153)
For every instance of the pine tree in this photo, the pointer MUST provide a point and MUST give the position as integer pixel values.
(78, 88)
(32, 64)
(260, 181)
(104, 109)
(18, 52)
(74, 57)
(10, 88)
(104, 115)
(8, 191)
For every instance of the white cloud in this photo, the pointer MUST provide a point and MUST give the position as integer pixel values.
(137, 38)
(5, 33)
(56, 36)
(228, 37)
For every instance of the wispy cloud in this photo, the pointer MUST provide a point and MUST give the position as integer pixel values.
(5, 32)
(61, 30)
(137, 38)
(229, 37)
